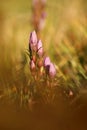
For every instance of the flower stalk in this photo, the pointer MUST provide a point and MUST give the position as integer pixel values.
(39, 15)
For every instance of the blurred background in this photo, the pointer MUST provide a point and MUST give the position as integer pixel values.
(16, 15)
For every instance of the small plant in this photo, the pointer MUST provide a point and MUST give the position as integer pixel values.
(43, 71)
(40, 84)
(39, 15)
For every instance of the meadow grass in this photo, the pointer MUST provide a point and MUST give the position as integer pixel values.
(64, 39)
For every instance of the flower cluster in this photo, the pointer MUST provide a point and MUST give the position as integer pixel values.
(39, 14)
(37, 60)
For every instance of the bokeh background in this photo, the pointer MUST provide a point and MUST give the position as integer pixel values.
(15, 19)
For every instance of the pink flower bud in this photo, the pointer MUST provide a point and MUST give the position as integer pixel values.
(47, 61)
(35, 2)
(44, 15)
(52, 70)
(33, 40)
(71, 93)
(40, 48)
(41, 24)
(39, 45)
(44, 1)
(32, 65)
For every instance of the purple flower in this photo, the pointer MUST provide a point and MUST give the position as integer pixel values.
(52, 70)
(39, 45)
(47, 61)
(35, 2)
(44, 1)
(41, 24)
(44, 15)
(40, 48)
(42, 21)
(49, 67)
(32, 65)
(33, 41)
